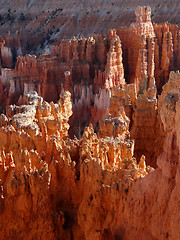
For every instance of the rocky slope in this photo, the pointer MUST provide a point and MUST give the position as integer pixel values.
(48, 21)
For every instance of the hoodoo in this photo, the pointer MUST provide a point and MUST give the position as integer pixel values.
(89, 124)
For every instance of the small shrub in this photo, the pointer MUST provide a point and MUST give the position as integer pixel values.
(144, 87)
(21, 17)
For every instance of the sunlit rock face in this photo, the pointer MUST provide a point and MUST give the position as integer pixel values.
(89, 131)
(52, 183)
(141, 55)
(88, 68)
(146, 199)
(46, 176)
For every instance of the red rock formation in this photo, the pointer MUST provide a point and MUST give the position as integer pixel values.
(40, 167)
(147, 208)
(147, 130)
(61, 188)
(93, 64)
(114, 71)
(88, 188)
(145, 124)
(167, 49)
(2, 42)
(100, 58)
(73, 65)
(10, 49)
(86, 66)
(139, 49)
(143, 22)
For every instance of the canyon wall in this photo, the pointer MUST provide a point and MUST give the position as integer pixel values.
(46, 22)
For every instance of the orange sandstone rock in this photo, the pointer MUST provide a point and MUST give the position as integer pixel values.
(41, 168)
(145, 208)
